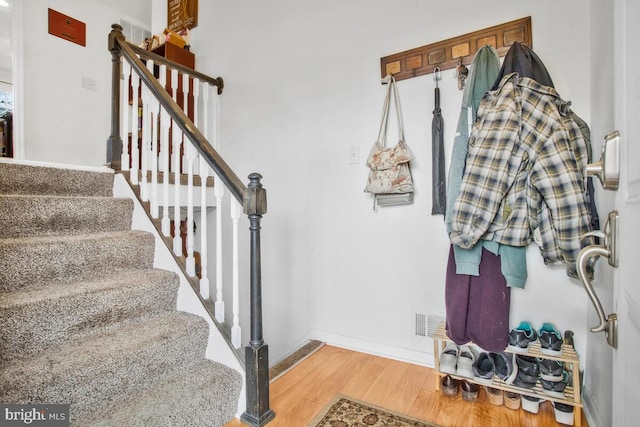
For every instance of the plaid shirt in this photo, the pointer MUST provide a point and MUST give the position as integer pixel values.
(524, 171)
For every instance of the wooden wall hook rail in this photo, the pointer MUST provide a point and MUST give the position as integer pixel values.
(447, 54)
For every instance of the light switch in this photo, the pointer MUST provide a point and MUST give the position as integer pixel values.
(87, 83)
(354, 155)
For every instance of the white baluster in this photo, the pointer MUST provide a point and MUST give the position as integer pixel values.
(177, 140)
(126, 115)
(153, 197)
(185, 108)
(191, 157)
(165, 124)
(236, 340)
(146, 137)
(204, 274)
(205, 111)
(196, 115)
(217, 110)
(135, 123)
(218, 190)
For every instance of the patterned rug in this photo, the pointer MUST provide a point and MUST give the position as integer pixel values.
(344, 411)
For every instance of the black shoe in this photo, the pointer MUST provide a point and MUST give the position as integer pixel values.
(528, 372)
(555, 388)
(550, 370)
(483, 368)
(502, 366)
(521, 337)
(550, 340)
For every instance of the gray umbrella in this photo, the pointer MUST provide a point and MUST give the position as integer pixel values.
(438, 194)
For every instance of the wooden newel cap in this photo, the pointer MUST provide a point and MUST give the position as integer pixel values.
(255, 199)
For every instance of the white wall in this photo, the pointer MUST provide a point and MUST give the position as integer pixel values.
(63, 122)
(302, 85)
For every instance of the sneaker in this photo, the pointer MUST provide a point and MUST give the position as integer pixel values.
(550, 340)
(555, 388)
(528, 372)
(449, 359)
(483, 369)
(531, 404)
(503, 366)
(449, 386)
(521, 337)
(563, 413)
(511, 400)
(466, 358)
(550, 370)
(469, 391)
(495, 395)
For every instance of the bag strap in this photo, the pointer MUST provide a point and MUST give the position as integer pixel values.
(398, 110)
(382, 132)
(392, 92)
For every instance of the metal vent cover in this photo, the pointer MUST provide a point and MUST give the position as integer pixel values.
(425, 324)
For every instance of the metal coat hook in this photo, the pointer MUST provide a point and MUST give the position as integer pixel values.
(437, 74)
(461, 74)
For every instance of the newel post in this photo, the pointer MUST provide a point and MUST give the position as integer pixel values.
(114, 143)
(258, 412)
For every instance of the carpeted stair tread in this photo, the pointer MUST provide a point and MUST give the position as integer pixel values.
(25, 216)
(38, 259)
(17, 178)
(52, 313)
(91, 373)
(205, 394)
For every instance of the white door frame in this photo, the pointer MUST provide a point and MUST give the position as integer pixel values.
(17, 77)
(625, 369)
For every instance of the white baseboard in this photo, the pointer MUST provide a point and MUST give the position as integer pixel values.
(593, 416)
(371, 347)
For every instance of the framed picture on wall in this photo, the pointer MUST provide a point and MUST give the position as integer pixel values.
(182, 14)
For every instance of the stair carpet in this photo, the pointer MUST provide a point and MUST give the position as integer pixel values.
(86, 320)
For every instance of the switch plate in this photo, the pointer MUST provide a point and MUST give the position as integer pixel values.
(87, 83)
(354, 155)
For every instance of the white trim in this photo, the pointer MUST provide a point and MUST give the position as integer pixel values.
(104, 169)
(17, 77)
(370, 347)
(591, 410)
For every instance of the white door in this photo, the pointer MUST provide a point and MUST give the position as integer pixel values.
(626, 363)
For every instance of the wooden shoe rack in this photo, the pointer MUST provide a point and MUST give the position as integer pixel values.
(569, 357)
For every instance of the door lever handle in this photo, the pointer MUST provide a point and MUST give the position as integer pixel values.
(607, 169)
(608, 324)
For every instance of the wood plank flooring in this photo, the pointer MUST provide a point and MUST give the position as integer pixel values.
(298, 395)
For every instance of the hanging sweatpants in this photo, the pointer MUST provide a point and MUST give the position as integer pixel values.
(478, 306)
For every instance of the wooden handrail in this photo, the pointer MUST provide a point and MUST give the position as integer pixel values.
(158, 59)
(220, 167)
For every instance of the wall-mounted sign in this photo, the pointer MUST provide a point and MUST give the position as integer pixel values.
(67, 28)
(182, 14)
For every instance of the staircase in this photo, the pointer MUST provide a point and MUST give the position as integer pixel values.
(85, 318)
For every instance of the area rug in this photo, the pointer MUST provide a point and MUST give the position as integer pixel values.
(344, 411)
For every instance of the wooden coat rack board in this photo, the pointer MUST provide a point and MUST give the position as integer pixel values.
(447, 53)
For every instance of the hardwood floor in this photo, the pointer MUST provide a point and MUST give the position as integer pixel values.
(298, 395)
